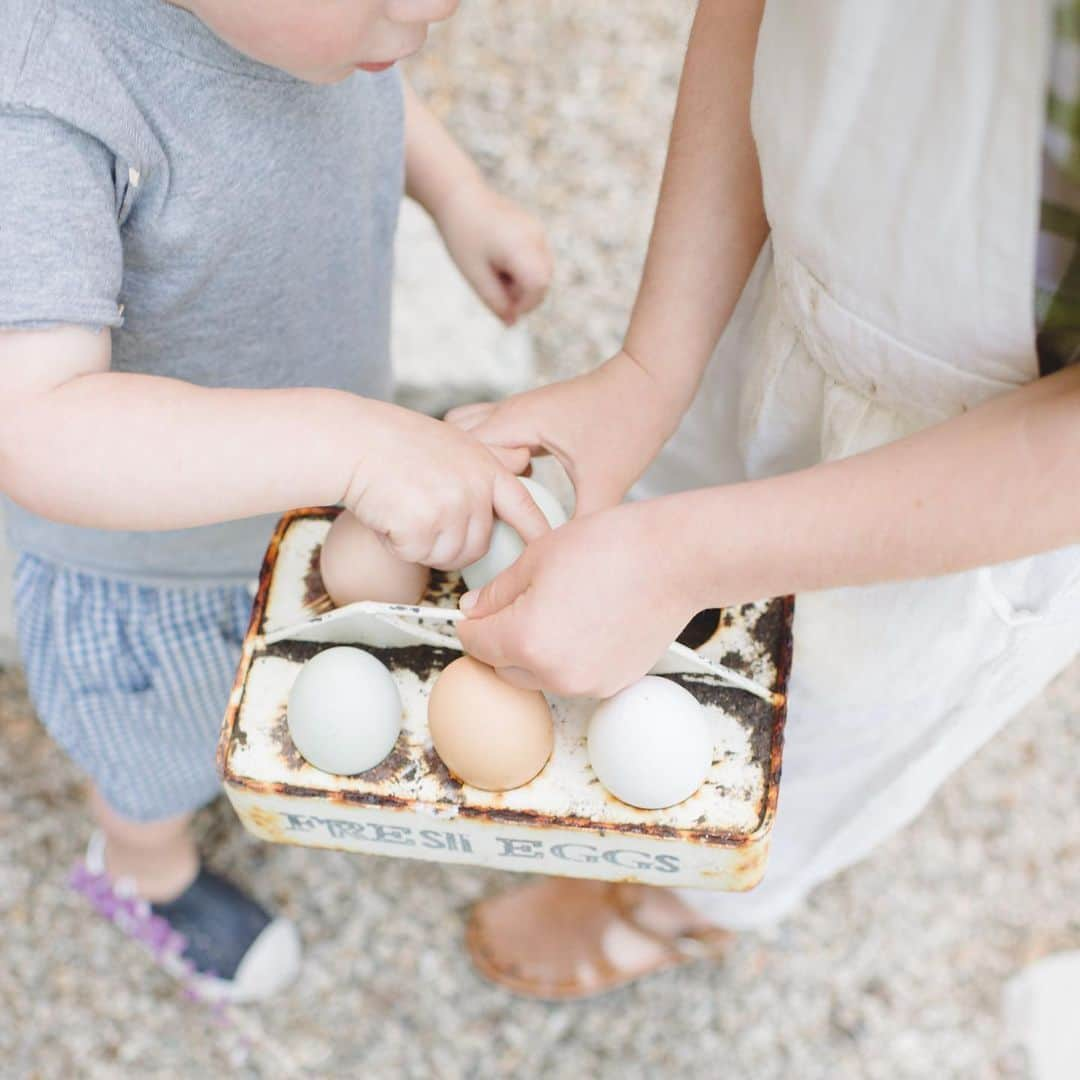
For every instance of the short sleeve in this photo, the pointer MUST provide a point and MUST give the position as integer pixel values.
(61, 257)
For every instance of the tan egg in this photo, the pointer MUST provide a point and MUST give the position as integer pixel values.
(355, 566)
(488, 733)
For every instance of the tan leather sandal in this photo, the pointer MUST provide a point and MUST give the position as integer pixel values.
(561, 939)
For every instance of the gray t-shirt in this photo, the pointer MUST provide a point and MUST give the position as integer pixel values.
(232, 225)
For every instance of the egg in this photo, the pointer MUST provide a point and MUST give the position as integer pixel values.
(488, 733)
(650, 745)
(506, 545)
(344, 711)
(356, 566)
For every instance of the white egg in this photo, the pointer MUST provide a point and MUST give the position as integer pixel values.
(344, 711)
(650, 745)
(506, 545)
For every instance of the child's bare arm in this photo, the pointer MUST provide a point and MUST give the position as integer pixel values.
(607, 425)
(88, 446)
(499, 248)
(436, 168)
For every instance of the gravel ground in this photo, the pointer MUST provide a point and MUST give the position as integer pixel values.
(894, 970)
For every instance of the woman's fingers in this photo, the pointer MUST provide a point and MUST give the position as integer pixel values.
(468, 417)
(516, 459)
(499, 593)
(494, 627)
(491, 639)
(519, 677)
(508, 426)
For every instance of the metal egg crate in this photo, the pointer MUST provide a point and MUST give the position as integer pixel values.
(735, 662)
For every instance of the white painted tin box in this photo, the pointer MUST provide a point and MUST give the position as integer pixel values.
(563, 822)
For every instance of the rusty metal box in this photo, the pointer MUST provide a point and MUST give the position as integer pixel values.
(563, 822)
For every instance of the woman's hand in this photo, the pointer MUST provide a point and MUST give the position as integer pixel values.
(499, 247)
(590, 607)
(430, 490)
(605, 427)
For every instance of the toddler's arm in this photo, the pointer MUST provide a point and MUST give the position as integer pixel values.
(499, 248)
(88, 446)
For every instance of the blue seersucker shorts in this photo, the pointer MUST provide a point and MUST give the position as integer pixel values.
(131, 680)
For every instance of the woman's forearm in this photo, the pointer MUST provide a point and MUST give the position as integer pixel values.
(994, 484)
(710, 219)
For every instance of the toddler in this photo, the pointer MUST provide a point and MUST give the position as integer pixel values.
(197, 212)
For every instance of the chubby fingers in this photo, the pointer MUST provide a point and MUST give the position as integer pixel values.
(444, 545)
(498, 291)
(525, 278)
(514, 505)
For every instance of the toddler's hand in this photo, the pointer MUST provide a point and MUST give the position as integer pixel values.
(588, 608)
(605, 427)
(430, 490)
(499, 248)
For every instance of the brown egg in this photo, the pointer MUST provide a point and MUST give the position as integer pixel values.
(488, 733)
(355, 566)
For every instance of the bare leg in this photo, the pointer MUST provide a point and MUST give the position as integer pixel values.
(159, 856)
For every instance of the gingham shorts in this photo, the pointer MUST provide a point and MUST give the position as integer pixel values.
(131, 680)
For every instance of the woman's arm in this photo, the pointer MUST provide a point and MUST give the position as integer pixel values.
(606, 426)
(588, 608)
(994, 484)
(710, 219)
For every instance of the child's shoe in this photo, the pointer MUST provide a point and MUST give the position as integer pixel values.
(218, 941)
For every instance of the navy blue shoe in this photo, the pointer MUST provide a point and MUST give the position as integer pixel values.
(218, 941)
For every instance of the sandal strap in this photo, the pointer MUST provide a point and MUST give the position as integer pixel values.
(690, 945)
(703, 945)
